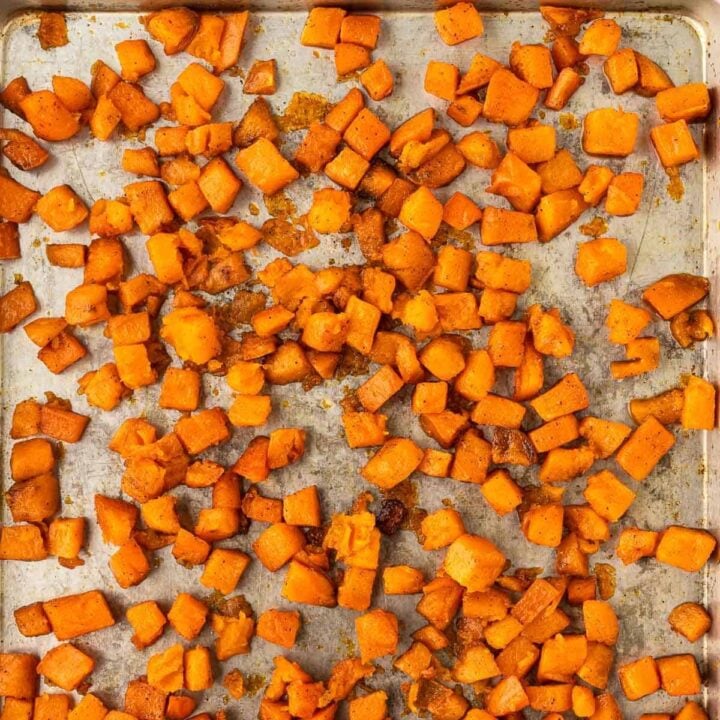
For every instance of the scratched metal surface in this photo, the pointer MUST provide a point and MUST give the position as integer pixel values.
(664, 236)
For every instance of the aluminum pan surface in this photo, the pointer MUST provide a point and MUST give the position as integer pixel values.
(663, 237)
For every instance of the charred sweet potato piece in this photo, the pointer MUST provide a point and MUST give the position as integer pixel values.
(21, 150)
(690, 327)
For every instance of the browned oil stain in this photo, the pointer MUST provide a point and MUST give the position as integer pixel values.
(253, 684)
(595, 228)
(280, 205)
(303, 109)
(675, 187)
(606, 579)
(568, 121)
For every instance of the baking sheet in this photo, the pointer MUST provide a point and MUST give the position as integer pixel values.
(664, 236)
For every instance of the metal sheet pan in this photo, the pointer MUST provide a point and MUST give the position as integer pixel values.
(665, 236)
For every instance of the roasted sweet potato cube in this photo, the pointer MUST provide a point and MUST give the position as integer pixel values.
(279, 627)
(686, 548)
(557, 211)
(672, 294)
(639, 678)
(625, 322)
(533, 64)
(261, 78)
(350, 58)
(17, 709)
(459, 22)
(303, 508)
(74, 615)
(145, 701)
(366, 134)
(601, 38)
(689, 619)
(31, 620)
(322, 27)
(607, 131)
(149, 205)
(17, 202)
(567, 396)
(506, 343)
(21, 150)
(135, 108)
(129, 564)
(364, 429)
(441, 79)
(49, 118)
(148, 622)
(674, 143)
(165, 669)
(180, 389)
(377, 634)
(116, 519)
(496, 271)
(509, 99)
(265, 167)
(500, 226)
(136, 59)
(173, 27)
(607, 496)
(685, 102)
(542, 524)
(624, 194)
(644, 449)
(30, 458)
(69, 255)
(66, 666)
(189, 549)
(22, 542)
(396, 460)
(517, 182)
(34, 500)
(26, 419)
(595, 183)
(600, 260)
(16, 305)
(223, 569)
(203, 430)
(18, 675)
(652, 78)
(9, 241)
(187, 615)
(621, 70)
(13, 93)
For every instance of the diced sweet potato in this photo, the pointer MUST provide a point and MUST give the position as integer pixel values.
(607, 131)
(509, 100)
(458, 23)
(644, 449)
